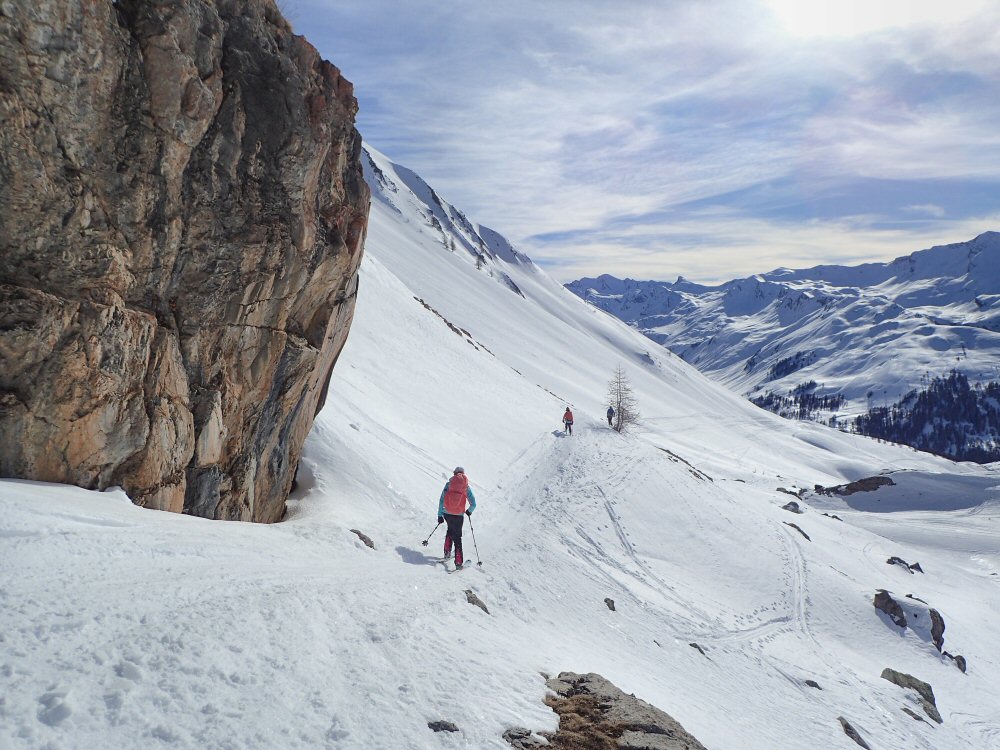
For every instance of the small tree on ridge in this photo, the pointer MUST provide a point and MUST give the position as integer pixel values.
(620, 398)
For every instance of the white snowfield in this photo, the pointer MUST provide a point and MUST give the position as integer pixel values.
(127, 628)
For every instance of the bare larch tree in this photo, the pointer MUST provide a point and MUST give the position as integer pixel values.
(621, 399)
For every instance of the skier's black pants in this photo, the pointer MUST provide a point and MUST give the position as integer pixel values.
(454, 535)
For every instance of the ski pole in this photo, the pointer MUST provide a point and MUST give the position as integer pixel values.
(424, 543)
(478, 561)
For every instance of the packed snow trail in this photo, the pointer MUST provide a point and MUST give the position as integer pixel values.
(128, 627)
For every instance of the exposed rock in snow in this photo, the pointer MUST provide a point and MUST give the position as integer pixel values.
(610, 602)
(524, 739)
(364, 538)
(792, 507)
(813, 684)
(851, 732)
(593, 713)
(442, 726)
(699, 648)
(883, 601)
(473, 599)
(913, 613)
(183, 213)
(958, 660)
(937, 628)
(868, 484)
(798, 529)
(914, 568)
(922, 688)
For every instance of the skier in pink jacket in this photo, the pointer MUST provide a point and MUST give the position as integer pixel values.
(451, 509)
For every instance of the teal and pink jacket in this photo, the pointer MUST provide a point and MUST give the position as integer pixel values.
(456, 491)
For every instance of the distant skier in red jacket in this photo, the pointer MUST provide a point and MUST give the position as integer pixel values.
(568, 421)
(451, 508)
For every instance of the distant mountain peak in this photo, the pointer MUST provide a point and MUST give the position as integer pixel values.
(868, 333)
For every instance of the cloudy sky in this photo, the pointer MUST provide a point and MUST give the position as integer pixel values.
(707, 138)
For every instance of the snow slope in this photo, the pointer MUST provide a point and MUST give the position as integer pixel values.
(877, 328)
(122, 627)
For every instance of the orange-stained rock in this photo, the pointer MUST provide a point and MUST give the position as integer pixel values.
(182, 215)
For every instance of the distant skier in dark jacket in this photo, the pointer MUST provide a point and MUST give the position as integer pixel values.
(451, 508)
(611, 415)
(568, 421)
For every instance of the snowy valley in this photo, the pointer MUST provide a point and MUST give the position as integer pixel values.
(751, 624)
(835, 342)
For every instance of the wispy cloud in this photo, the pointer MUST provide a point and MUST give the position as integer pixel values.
(630, 133)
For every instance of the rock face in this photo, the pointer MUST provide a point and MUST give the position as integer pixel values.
(182, 215)
(883, 601)
(923, 689)
(868, 484)
(853, 733)
(914, 613)
(593, 713)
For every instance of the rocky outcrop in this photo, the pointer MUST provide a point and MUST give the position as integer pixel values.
(853, 733)
(884, 602)
(868, 484)
(914, 568)
(365, 539)
(798, 529)
(937, 628)
(474, 600)
(182, 214)
(593, 713)
(958, 660)
(914, 613)
(924, 691)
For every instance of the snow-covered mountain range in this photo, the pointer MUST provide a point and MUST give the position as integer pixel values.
(867, 333)
(130, 628)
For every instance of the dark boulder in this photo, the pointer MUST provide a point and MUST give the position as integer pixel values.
(958, 660)
(937, 629)
(884, 602)
(851, 732)
(364, 538)
(798, 529)
(442, 726)
(868, 484)
(923, 689)
(471, 598)
(900, 562)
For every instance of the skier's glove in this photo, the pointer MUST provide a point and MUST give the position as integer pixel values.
(440, 519)
(468, 513)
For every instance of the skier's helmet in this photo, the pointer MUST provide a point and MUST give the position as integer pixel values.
(459, 470)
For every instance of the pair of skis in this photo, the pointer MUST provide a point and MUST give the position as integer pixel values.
(467, 563)
(453, 568)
